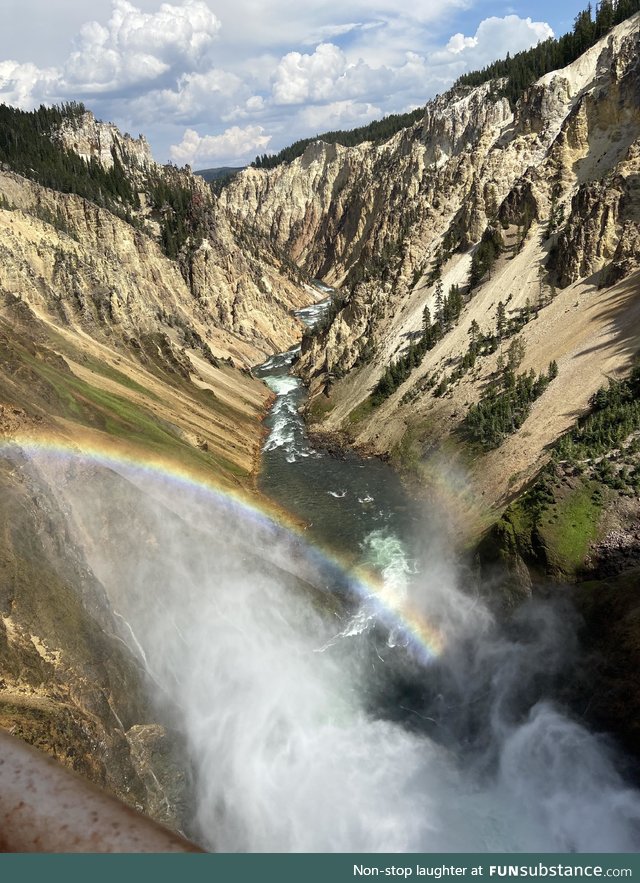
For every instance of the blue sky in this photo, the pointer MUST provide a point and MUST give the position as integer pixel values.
(214, 82)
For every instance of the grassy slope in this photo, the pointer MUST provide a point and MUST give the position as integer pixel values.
(63, 674)
(80, 389)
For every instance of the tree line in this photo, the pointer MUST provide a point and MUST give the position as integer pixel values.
(524, 68)
(377, 131)
(505, 406)
(28, 145)
(447, 312)
(614, 417)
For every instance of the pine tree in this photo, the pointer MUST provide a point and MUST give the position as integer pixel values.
(426, 320)
(515, 353)
(455, 301)
(474, 333)
(439, 300)
(501, 319)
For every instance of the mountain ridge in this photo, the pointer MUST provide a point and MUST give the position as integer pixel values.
(468, 164)
(473, 251)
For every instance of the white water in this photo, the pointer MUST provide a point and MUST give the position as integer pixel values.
(294, 749)
(319, 728)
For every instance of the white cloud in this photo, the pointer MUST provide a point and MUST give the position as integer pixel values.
(337, 115)
(254, 107)
(137, 48)
(255, 103)
(327, 75)
(301, 77)
(331, 31)
(164, 68)
(195, 91)
(234, 144)
(134, 52)
(459, 42)
(24, 85)
(278, 27)
(492, 40)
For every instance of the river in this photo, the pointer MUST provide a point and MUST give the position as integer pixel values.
(469, 746)
(354, 505)
(342, 688)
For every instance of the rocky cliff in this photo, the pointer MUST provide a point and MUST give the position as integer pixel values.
(556, 176)
(92, 139)
(108, 344)
(129, 327)
(237, 278)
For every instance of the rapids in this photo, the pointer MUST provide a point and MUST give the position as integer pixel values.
(342, 688)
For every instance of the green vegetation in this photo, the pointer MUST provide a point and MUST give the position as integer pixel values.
(554, 522)
(505, 406)
(569, 525)
(222, 173)
(105, 370)
(319, 408)
(408, 453)
(361, 411)
(605, 442)
(448, 310)
(556, 217)
(28, 145)
(218, 179)
(338, 302)
(55, 389)
(524, 68)
(182, 210)
(485, 256)
(552, 525)
(380, 264)
(615, 415)
(377, 131)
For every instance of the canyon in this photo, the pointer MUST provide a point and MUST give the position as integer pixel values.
(126, 335)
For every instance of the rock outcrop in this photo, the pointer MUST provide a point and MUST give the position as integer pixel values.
(104, 143)
(106, 343)
(382, 212)
(557, 175)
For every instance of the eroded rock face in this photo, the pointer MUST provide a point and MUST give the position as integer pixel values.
(92, 139)
(454, 124)
(374, 216)
(234, 275)
(85, 267)
(590, 237)
(68, 684)
(603, 229)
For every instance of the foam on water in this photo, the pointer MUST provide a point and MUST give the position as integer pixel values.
(290, 747)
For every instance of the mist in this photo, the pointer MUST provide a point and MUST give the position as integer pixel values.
(314, 722)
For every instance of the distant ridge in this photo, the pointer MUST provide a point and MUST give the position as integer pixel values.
(220, 172)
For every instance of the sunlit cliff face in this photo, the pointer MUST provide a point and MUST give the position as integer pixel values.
(314, 726)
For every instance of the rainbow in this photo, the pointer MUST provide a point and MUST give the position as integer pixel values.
(423, 638)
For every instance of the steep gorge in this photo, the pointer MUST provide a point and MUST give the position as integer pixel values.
(555, 180)
(395, 213)
(110, 344)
